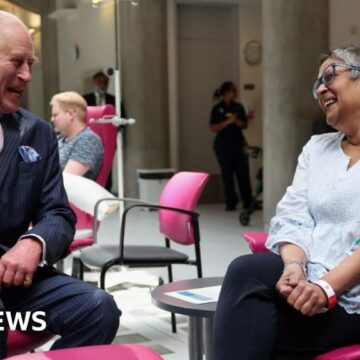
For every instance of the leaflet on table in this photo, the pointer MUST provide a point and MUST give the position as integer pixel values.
(198, 296)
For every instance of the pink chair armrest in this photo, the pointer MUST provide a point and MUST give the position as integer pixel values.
(346, 353)
(78, 244)
(19, 342)
(96, 352)
(256, 241)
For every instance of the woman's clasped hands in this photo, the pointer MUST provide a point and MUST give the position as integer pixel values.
(302, 295)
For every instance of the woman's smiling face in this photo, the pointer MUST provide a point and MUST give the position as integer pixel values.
(340, 98)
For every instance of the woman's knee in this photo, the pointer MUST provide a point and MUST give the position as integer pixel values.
(254, 265)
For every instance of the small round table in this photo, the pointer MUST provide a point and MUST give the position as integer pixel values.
(200, 315)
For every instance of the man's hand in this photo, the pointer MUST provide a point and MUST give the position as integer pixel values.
(19, 264)
(307, 298)
(289, 279)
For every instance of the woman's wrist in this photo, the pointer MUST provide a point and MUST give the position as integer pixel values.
(329, 292)
(299, 262)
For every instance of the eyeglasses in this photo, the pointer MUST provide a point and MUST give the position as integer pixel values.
(328, 76)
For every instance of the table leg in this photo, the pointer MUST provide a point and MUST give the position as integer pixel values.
(208, 338)
(195, 338)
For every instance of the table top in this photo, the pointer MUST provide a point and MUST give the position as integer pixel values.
(178, 306)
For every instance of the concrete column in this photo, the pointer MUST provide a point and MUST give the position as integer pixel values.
(294, 34)
(49, 49)
(49, 55)
(144, 86)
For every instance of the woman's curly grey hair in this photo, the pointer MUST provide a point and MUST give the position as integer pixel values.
(346, 55)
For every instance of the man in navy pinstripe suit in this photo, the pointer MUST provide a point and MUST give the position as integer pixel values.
(32, 193)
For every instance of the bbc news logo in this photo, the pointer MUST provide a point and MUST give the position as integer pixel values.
(17, 320)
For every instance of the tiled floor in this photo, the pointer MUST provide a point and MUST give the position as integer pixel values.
(141, 321)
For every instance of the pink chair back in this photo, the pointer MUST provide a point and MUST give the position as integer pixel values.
(107, 134)
(182, 191)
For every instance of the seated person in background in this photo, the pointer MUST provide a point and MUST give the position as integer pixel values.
(100, 96)
(303, 298)
(80, 149)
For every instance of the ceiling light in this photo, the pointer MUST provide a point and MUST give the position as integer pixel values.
(96, 3)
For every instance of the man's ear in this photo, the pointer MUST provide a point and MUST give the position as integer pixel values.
(72, 114)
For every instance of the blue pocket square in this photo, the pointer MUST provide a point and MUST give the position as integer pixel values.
(28, 154)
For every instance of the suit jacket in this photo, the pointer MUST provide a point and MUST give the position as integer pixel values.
(33, 193)
(109, 99)
(91, 99)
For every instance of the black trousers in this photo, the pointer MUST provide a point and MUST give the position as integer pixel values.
(234, 163)
(253, 322)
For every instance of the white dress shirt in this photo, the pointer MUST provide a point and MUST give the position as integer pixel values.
(99, 98)
(320, 211)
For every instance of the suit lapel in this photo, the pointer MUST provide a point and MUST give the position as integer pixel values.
(11, 128)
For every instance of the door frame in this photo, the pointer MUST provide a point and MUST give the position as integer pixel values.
(172, 57)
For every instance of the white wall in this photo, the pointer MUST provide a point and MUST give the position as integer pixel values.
(92, 30)
(208, 55)
(344, 23)
(249, 29)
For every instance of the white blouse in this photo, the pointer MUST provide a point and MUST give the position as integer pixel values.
(320, 211)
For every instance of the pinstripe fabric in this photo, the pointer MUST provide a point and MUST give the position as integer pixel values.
(34, 193)
(81, 313)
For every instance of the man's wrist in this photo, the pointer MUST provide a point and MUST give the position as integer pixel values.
(35, 242)
(41, 241)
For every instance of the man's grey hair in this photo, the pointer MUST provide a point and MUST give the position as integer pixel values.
(346, 55)
(7, 19)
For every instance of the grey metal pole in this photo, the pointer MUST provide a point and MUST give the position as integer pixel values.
(195, 338)
(208, 337)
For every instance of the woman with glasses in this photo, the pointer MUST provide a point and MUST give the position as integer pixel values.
(227, 120)
(303, 297)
